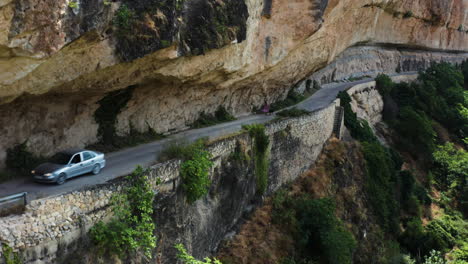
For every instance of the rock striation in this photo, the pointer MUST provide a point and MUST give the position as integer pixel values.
(58, 59)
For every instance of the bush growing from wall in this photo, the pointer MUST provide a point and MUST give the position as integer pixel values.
(132, 228)
(261, 155)
(293, 112)
(291, 99)
(195, 172)
(10, 257)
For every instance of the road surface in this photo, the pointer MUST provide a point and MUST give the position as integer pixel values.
(123, 162)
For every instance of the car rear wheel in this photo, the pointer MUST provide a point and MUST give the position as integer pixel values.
(61, 179)
(96, 169)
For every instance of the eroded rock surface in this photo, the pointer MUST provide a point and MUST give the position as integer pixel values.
(59, 58)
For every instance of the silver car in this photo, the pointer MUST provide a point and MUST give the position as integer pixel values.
(69, 163)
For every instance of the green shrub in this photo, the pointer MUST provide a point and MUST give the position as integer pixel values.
(73, 4)
(183, 256)
(132, 228)
(435, 257)
(415, 130)
(261, 154)
(451, 166)
(293, 112)
(412, 195)
(408, 14)
(123, 18)
(441, 234)
(9, 256)
(291, 99)
(317, 223)
(384, 84)
(195, 172)
(220, 116)
(440, 90)
(181, 149)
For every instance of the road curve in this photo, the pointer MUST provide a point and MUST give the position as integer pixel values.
(123, 162)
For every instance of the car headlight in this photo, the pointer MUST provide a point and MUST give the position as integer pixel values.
(48, 174)
(33, 171)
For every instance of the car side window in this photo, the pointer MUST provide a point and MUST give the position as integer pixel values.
(87, 156)
(76, 159)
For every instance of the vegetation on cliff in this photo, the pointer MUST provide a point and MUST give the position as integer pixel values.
(429, 124)
(261, 155)
(195, 167)
(131, 230)
(195, 172)
(221, 115)
(403, 203)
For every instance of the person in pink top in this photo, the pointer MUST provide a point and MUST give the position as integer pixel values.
(265, 108)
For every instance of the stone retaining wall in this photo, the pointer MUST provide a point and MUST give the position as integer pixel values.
(49, 228)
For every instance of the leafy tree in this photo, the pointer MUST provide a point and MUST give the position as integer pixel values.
(416, 131)
(435, 257)
(442, 88)
(451, 166)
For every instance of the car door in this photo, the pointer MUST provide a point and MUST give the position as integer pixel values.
(88, 161)
(76, 166)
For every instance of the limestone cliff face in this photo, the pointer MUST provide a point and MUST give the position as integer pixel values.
(59, 58)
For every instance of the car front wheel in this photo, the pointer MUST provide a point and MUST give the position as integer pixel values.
(61, 179)
(96, 169)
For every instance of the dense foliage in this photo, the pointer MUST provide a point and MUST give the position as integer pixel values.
(317, 230)
(195, 172)
(132, 229)
(261, 154)
(380, 185)
(414, 111)
(291, 99)
(438, 94)
(293, 112)
(220, 116)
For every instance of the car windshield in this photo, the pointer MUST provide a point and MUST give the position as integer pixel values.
(61, 158)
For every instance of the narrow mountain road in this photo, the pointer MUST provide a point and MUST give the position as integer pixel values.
(124, 162)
